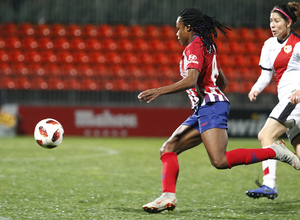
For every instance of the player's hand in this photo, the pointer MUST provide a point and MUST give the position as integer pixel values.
(252, 95)
(149, 95)
(295, 97)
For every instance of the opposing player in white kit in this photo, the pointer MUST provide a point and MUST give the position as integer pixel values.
(280, 56)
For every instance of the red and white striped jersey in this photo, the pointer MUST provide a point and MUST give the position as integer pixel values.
(195, 57)
(283, 59)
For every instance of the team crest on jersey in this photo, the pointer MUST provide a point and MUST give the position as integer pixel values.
(193, 58)
(288, 48)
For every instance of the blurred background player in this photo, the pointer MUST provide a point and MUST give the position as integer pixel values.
(204, 82)
(280, 56)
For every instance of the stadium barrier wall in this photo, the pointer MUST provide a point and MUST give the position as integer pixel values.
(130, 122)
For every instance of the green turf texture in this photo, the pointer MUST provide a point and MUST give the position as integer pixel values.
(111, 178)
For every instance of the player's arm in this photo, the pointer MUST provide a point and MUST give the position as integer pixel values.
(262, 82)
(221, 81)
(186, 83)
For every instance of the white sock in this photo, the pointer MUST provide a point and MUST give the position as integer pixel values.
(269, 170)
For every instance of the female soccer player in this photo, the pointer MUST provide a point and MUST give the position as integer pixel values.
(204, 82)
(280, 56)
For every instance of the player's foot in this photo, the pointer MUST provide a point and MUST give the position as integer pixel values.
(263, 191)
(167, 201)
(285, 155)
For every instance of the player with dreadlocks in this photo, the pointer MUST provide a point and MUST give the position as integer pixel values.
(204, 81)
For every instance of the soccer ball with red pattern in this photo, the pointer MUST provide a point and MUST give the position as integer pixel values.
(48, 133)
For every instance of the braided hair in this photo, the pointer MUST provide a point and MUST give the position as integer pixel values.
(203, 25)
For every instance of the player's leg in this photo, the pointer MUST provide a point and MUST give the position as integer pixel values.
(184, 138)
(267, 136)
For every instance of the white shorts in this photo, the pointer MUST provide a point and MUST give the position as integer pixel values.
(288, 115)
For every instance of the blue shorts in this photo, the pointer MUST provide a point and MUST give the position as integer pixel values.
(211, 115)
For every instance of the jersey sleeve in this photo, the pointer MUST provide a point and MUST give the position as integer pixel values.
(265, 61)
(195, 56)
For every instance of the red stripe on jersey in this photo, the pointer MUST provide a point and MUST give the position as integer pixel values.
(282, 60)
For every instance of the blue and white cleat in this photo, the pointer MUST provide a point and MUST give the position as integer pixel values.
(263, 191)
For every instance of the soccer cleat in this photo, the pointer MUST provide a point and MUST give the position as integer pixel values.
(164, 202)
(285, 155)
(263, 191)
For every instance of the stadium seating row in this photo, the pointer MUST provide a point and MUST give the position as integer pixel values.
(119, 31)
(96, 57)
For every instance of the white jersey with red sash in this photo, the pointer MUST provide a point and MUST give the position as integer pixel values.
(284, 60)
(195, 57)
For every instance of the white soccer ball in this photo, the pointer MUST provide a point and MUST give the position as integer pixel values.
(48, 133)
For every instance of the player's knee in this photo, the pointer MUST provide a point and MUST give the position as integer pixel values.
(168, 146)
(219, 163)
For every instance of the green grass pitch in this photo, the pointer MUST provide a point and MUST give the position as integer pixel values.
(111, 178)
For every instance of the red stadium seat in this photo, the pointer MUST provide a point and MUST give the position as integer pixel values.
(133, 71)
(77, 43)
(120, 85)
(29, 43)
(9, 29)
(4, 56)
(173, 46)
(61, 43)
(241, 60)
(124, 45)
(245, 34)
(16, 56)
(96, 57)
(64, 57)
(230, 73)
(144, 58)
(41, 30)
(116, 71)
(39, 83)
(120, 31)
(156, 45)
(57, 30)
(128, 58)
(151, 31)
(51, 69)
(140, 45)
(73, 30)
(100, 70)
(90, 84)
(89, 30)
(261, 34)
(226, 60)
(148, 71)
(22, 83)
(71, 84)
(251, 47)
(167, 31)
(35, 69)
(174, 58)
(48, 56)
(12, 42)
(231, 35)
(108, 44)
(55, 83)
(112, 58)
(68, 70)
(93, 44)
(9, 83)
(25, 29)
(44, 43)
(136, 85)
(235, 47)
(104, 31)
(32, 56)
(2, 43)
(136, 31)
(160, 59)
(19, 69)
(85, 70)
(5, 69)
(81, 57)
